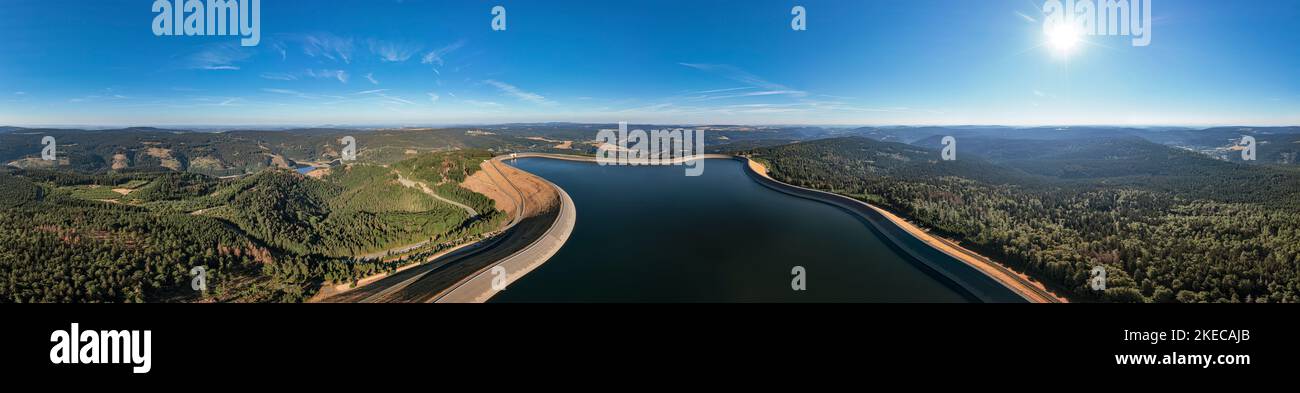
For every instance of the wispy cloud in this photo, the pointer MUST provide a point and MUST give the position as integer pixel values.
(711, 97)
(392, 99)
(278, 47)
(382, 93)
(1027, 18)
(98, 97)
(279, 76)
(340, 75)
(299, 94)
(371, 77)
(282, 91)
(221, 56)
(433, 96)
(328, 46)
(754, 81)
(511, 90)
(719, 90)
(393, 52)
(217, 101)
(486, 104)
(310, 73)
(435, 56)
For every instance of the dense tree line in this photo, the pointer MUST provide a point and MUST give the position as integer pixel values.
(176, 186)
(1163, 237)
(60, 249)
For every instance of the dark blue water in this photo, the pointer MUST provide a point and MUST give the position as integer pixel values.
(653, 234)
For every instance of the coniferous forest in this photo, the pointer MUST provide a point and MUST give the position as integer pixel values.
(275, 235)
(1167, 224)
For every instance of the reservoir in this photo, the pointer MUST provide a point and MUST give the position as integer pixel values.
(652, 234)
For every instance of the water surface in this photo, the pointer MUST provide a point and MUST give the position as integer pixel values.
(654, 234)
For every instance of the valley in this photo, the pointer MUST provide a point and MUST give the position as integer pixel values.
(129, 210)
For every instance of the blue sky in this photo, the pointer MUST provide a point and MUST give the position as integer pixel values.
(860, 62)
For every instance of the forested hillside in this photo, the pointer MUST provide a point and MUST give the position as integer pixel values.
(133, 236)
(238, 152)
(1169, 226)
(62, 249)
(354, 211)
(444, 171)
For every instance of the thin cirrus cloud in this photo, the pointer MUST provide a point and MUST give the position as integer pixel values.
(1027, 18)
(777, 98)
(484, 104)
(218, 57)
(711, 97)
(310, 73)
(736, 74)
(279, 76)
(90, 98)
(324, 48)
(385, 97)
(513, 91)
(326, 45)
(435, 56)
(340, 75)
(299, 94)
(331, 47)
(393, 52)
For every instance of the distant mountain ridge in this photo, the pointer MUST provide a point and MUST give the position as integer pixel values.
(242, 151)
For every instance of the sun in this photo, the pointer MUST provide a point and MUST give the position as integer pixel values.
(1064, 38)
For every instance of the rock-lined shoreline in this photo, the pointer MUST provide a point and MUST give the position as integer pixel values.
(1016, 282)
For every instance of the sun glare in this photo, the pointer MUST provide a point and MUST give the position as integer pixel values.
(1063, 38)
